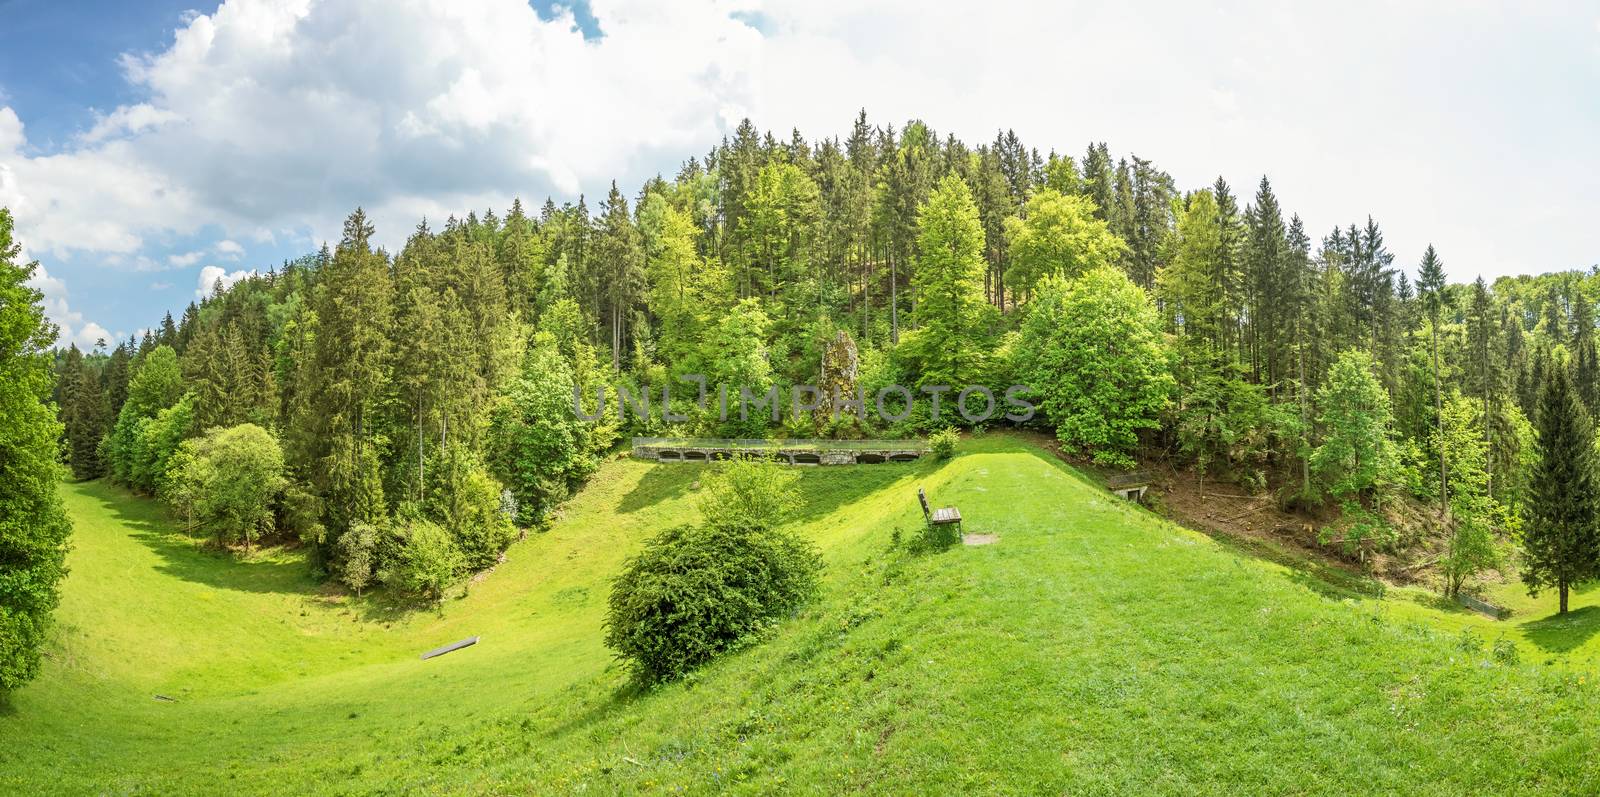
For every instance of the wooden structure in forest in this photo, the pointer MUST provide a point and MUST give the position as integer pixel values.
(1131, 486)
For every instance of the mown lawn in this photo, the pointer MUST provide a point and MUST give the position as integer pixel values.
(1094, 649)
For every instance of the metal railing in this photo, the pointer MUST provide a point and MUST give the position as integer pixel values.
(757, 444)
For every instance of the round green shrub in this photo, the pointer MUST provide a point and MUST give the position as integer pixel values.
(697, 591)
(943, 442)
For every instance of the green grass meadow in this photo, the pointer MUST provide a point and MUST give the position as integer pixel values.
(1095, 649)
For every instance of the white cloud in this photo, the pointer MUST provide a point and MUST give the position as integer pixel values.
(271, 118)
(210, 276)
(11, 133)
(127, 120)
(70, 324)
(185, 260)
(274, 116)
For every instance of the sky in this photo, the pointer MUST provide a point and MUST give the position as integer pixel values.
(149, 149)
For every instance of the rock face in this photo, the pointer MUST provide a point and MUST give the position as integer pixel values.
(841, 364)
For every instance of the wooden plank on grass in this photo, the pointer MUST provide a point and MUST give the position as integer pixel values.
(454, 646)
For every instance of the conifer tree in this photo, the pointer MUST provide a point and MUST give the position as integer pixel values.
(1431, 289)
(1585, 360)
(347, 378)
(619, 252)
(949, 287)
(1561, 538)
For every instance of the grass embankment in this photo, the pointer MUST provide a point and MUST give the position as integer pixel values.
(1095, 648)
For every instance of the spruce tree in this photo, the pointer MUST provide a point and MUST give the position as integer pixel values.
(1585, 360)
(1430, 287)
(1561, 538)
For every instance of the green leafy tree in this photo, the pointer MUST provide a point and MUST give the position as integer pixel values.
(1092, 351)
(425, 561)
(465, 499)
(538, 446)
(358, 556)
(234, 475)
(1561, 533)
(1470, 538)
(156, 384)
(33, 525)
(736, 358)
(1057, 235)
(1358, 456)
(749, 494)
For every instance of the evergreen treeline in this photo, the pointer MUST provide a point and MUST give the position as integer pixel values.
(430, 389)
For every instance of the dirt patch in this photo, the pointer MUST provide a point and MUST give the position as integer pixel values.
(979, 539)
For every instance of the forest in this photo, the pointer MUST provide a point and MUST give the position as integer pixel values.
(406, 415)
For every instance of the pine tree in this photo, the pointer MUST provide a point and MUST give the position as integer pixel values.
(949, 287)
(1585, 360)
(1098, 183)
(347, 377)
(618, 250)
(1431, 289)
(86, 420)
(1270, 286)
(1561, 538)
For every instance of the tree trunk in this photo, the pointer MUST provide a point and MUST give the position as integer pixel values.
(894, 300)
(1438, 408)
(1305, 431)
(1563, 589)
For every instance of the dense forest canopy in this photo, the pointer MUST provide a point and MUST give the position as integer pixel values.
(431, 388)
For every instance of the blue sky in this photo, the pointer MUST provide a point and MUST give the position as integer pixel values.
(146, 147)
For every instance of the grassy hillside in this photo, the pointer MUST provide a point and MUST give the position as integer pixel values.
(1094, 649)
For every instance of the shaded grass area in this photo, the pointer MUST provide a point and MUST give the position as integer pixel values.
(1094, 649)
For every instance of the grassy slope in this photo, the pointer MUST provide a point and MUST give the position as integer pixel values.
(1094, 649)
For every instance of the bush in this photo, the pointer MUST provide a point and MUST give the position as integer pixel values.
(697, 591)
(943, 442)
(358, 556)
(749, 494)
(1505, 651)
(425, 562)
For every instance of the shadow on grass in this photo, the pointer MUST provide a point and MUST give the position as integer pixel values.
(188, 559)
(631, 689)
(660, 483)
(1560, 633)
(379, 605)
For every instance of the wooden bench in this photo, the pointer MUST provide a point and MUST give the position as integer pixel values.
(948, 516)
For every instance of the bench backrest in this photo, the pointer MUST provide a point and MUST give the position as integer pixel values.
(923, 497)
